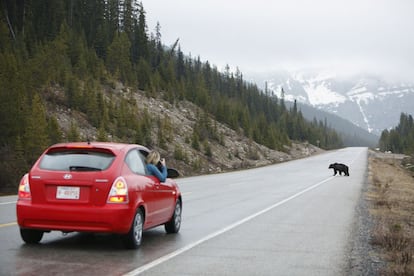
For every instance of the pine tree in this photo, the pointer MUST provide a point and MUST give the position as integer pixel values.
(73, 135)
(12, 99)
(54, 132)
(101, 135)
(36, 133)
(118, 60)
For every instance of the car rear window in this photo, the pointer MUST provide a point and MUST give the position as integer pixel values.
(77, 160)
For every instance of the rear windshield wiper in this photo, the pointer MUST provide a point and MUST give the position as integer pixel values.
(84, 168)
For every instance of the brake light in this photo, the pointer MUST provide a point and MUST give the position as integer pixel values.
(119, 191)
(24, 188)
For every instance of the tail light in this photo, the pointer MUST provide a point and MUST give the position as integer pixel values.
(24, 188)
(119, 191)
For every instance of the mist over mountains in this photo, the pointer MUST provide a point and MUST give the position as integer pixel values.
(368, 101)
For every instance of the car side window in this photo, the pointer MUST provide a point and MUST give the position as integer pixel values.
(135, 162)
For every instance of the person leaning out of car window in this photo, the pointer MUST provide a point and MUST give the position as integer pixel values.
(153, 159)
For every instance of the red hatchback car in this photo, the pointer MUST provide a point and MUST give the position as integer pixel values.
(96, 187)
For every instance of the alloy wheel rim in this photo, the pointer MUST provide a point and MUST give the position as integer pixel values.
(178, 215)
(138, 228)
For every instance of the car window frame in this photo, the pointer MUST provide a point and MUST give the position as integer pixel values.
(141, 158)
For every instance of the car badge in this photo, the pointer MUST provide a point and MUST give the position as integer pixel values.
(67, 176)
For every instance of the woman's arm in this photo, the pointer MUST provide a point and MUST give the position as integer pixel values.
(161, 175)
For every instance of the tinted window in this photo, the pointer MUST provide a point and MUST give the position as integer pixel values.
(77, 160)
(135, 162)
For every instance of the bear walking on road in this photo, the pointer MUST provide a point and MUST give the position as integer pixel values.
(341, 168)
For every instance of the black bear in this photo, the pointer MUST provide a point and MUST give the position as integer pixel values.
(341, 168)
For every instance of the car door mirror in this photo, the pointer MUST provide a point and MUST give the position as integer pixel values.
(172, 173)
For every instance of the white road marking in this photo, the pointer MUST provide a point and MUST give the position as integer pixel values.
(8, 224)
(173, 254)
(9, 202)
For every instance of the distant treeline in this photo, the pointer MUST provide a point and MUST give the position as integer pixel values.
(82, 47)
(401, 138)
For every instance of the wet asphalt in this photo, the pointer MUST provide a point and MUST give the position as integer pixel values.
(293, 218)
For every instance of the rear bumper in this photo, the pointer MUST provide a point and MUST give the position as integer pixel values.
(111, 218)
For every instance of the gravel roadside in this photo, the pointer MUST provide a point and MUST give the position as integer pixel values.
(361, 257)
(382, 227)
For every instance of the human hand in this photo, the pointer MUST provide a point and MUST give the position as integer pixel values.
(162, 161)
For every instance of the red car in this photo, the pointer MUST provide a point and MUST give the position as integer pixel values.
(96, 187)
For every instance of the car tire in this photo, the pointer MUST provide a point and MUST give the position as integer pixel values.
(174, 224)
(31, 236)
(133, 239)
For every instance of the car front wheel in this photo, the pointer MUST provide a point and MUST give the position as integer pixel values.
(30, 235)
(133, 239)
(173, 226)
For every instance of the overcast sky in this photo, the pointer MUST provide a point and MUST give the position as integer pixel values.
(265, 35)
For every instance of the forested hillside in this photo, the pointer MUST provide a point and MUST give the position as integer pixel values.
(73, 53)
(401, 138)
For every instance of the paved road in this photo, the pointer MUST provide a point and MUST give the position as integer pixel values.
(293, 218)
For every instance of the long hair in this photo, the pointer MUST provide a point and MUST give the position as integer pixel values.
(153, 157)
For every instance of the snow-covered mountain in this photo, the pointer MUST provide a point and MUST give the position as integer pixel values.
(368, 101)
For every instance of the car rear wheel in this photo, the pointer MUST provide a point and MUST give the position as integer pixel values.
(133, 239)
(30, 235)
(173, 226)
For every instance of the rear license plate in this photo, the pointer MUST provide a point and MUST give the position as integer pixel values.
(64, 192)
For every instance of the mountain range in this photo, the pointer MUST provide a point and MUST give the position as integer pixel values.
(368, 101)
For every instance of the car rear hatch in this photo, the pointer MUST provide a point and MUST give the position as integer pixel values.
(73, 176)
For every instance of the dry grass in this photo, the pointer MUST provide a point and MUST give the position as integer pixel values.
(391, 197)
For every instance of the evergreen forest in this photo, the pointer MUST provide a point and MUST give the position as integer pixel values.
(401, 138)
(80, 47)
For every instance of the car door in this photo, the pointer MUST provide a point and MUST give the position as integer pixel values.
(144, 186)
(164, 195)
